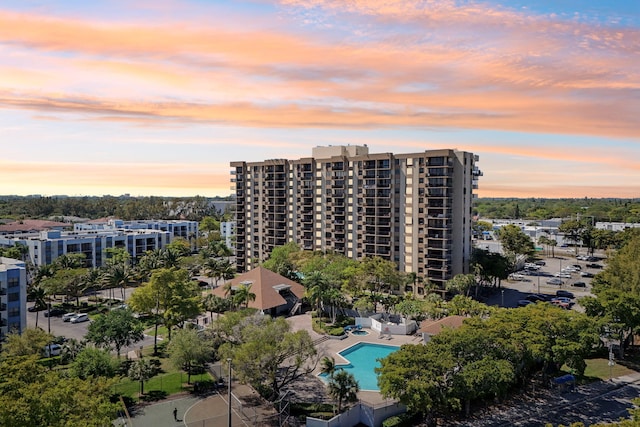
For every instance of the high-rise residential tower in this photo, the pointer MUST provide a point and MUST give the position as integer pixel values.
(414, 209)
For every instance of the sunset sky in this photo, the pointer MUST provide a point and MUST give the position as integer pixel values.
(156, 97)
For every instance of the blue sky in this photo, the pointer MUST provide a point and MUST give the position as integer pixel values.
(157, 97)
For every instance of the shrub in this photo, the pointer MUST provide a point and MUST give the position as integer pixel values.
(336, 332)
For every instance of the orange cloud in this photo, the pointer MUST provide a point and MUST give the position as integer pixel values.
(276, 79)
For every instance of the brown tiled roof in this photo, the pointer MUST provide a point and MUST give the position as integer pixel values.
(32, 225)
(434, 327)
(262, 285)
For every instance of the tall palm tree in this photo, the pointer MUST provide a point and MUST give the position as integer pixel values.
(39, 296)
(316, 286)
(118, 275)
(226, 271)
(211, 267)
(343, 387)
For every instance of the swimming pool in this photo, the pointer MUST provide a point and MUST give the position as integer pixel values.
(359, 332)
(362, 359)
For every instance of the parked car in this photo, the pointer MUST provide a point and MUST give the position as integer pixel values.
(36, 307)
(55, 312)
(579, 284)
(540, 263)
(594, 265)
(68, 316)
(576, 266)
(80, 318)
(555, 281)
(563, 275)
(524, 303)
(51, 350)
(587, 274)
(517, 276)
(561, 304)
(535, 298)
(563, 293)
(562, 299)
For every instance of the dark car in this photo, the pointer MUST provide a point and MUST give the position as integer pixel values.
(565, 294)
(54, 312)
(536, 298)
(594, 265)
(579, 284)
(542, 263)
(555, 281)
(36, 307)
(587, 274)
(524, 303)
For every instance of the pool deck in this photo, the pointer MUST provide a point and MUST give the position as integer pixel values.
(332, 347)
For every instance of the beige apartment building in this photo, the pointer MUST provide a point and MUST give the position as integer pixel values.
(414, 209)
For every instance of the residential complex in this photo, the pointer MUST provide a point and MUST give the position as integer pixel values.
(94, 238)
(13, 296)
(414, 209)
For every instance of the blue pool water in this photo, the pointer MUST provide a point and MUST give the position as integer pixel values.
(362, 359)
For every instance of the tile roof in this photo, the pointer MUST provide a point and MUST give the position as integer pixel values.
(434, 327)
(32, 225)
(263, 284)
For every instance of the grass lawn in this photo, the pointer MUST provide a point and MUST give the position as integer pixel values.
(169, 383)
(599, 368)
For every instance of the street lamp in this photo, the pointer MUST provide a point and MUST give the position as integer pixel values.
(502, 293)
(229, 394)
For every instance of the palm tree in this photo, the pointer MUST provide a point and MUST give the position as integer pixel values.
(39, 296)
(244, 295)
(214, 304)
(328, 366)
(211, 268)
(118, 275)
(316, 285)
(226, 271)
(343, 387)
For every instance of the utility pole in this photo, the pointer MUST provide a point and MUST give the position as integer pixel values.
(229, 394)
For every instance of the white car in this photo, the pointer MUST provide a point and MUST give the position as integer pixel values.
(563, 275)
(68, 316)
(80, 318)
(516, 276)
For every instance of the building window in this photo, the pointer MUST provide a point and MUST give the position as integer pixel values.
(13, 282)
(14, 296)
(13, 312)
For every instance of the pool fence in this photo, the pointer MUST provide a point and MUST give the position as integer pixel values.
(369, 414)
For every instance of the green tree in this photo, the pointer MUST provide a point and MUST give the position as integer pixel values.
(280, 261)
(118, 328)
(215, 304)
(142, 370)
(171, 296)
(515, 241)
(94, 362)
(31, 395)
(266, 353)
(31, 342)
(461, 284)
(188, 349)
(343, 387)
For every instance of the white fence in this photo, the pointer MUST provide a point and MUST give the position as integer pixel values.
(378, 323)
(362, 412)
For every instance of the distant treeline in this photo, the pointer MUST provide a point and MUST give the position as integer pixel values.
(618, 210)
(124, 207)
